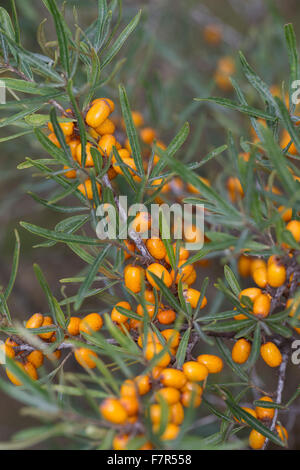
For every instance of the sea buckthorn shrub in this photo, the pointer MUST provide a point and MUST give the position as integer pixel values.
(157, 347)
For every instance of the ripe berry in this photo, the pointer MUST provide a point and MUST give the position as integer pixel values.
(36, 358)
(194, 371)
(156, 248)
(133, 278)
(256, 440)
(106, 144)
(170, 433)
(98, 113)
(276, 275)
(265, 413)
(143, 384)
(160, 271)
(120, 441)
(112, 410)
(192, 296)
(282, 432)
(261, 305)
(214, 364)
(147, 135)
(130, 404)
(35, 321)
(177, 413)
(271, 354)
(117, 316)
(190, 399)
(183, 253)
(172, 337)
(47, 322)
(152, 350)
(73, 326)
(173, 378)
(250, 411)
(84, 357)
(170, 394)
(294, 227)
(244, 265)
(260, 276)
(107, 127)
(28, 368)
(241, 351)
(156, 412)
(86, 189)
(90, 323)
(166, 317)
(66, 127)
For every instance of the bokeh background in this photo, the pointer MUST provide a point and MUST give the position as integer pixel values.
(170, 59)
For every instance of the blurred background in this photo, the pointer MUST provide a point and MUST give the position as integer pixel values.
(181, 50)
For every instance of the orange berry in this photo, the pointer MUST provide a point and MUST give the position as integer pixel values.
(90, 323)
(172, 337)
(152, 350)
(149, 296)
(28, 368)
(173, 378)
(98, 113)
(52, 137)
(128, 389)
(155, 413)
(66, 127)
(131, 247)
(248, 410)
(170, 394)
(147, 135)
(117, 316)
(251, 292)
(106, 144)
(256, 440)
(271, 354)
(286, 213)
(177, 413)
(35, 321)
(36, 358)
(149, 308)
(156, 372)
(262, 305)
(156, 248)
(47, 322)
(8, 351)
(257, 263)
(265, 413)
(170, 433)
(160, 271)
(120, 442)
(113, 411)
(183, 253)
(84, 357)
(282, 432)
(130, 404)
(212, 34)
(244, 265)
(195, 371)
(86, 189)
(294, 227)
(276, 275)
(89, 162)
(241, 351)
(143, 384)
(166, 317)
(107, 127)
(191, 399)
(260, 276)
(133, 278)
(73, 326)
(192, 296)
(235, 189)
(226, 65)
(214, 364)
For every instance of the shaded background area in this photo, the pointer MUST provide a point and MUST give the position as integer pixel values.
(169, 63)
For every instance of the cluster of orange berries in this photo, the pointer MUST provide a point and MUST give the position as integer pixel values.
(105, 133)
(29, 362)
(177, 388)
(256, 439)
